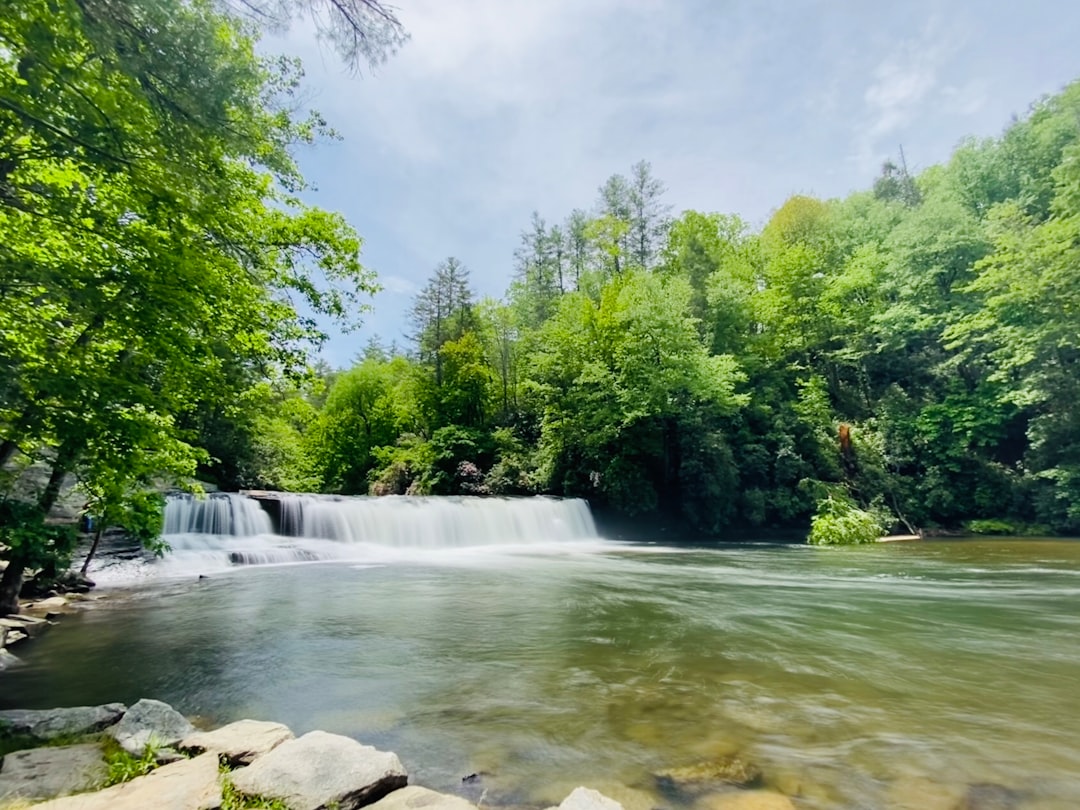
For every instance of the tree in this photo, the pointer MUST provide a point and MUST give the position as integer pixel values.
(155, 275)
(362, 31)
(649, 218)
(442, 311)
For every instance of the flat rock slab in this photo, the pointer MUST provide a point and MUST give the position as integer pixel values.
(150, 722)
(45, 773)
(321, 769)
(583, 798)
(745, 800)
(45, 724)
(191, 784)
(240, 743)
(418, 798)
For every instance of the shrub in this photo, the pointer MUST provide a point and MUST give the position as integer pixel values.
(839, 521)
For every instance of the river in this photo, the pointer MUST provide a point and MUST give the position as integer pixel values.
(885, 676)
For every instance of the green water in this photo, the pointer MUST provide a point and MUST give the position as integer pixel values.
(885, 676)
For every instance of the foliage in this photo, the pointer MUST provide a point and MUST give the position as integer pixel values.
(840, 522)
(123, 766)
(26, 537)
(233, 799)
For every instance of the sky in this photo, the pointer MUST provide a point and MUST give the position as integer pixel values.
(497, 108)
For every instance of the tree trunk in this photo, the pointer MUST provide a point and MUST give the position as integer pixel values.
(52, 489)
(7, 450)
(10, 585)
(93, 548)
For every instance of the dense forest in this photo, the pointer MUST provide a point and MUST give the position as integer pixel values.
(908, 352)
(911, 348)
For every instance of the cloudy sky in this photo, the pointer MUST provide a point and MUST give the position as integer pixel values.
(499, 107)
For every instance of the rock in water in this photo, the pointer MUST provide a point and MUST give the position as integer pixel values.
(418, 798)
(45, 724)
(988, 796)
(45, 773)
(241, 743)
(745, 800)
(150, 722)
(583, 798)
(319, 769)
(191, 784)
(696, 779)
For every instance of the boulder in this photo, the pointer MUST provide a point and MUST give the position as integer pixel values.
(418, 798)
(582, 798)
(14, 637)
(240, 743)
(319, 769)
(24, 624)
(45, 724)
(45, 773)
(191, 784)
(150, 722)
(745, 800)
(51, 606)
(726, 770)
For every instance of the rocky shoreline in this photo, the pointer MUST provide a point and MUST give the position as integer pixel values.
(113, 757)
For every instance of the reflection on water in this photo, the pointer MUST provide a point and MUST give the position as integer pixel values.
(890, 676)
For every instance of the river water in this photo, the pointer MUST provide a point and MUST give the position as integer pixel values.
(891, 676)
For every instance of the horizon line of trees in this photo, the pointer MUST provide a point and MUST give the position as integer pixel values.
(693, 366)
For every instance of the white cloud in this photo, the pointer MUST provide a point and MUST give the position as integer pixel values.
(902, 83)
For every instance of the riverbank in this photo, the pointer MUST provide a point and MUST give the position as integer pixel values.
(112, 757)
(34, 617)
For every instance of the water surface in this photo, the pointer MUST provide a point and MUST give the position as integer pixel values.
(884, 676)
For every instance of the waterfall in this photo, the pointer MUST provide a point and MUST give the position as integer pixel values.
(219, 513)
(414, 522)
(227, 530)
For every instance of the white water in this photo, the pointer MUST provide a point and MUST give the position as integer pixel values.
(225, 531)
(220, 513)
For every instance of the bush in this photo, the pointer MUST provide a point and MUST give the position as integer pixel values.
(840, 522)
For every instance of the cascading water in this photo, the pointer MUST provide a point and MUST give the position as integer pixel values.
(220, 513)
(226, 530)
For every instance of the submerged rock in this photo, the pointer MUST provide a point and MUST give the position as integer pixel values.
(150, 722)
(319, 769)
(45, 724)
(699, 778)
(583, 798)
(191, 784)
(988, 796)
(418, 798)
(745, 800)
(240, 743)
(45, 773)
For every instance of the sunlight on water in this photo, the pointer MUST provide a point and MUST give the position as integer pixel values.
(882, 677)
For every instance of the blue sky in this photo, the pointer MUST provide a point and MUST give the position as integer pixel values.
(499, 107)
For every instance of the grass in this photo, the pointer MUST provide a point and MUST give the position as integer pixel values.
(123, 767)
(233, 799)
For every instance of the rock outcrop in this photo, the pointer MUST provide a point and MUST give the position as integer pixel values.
(418, 798)
(150, 722)
(584, 798)
(45, 773)
(239, 743)
(191, 784)
(321, 769)
(47, 724)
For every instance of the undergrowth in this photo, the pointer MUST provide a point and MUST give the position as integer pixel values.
(233, 799)
(123, 767)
